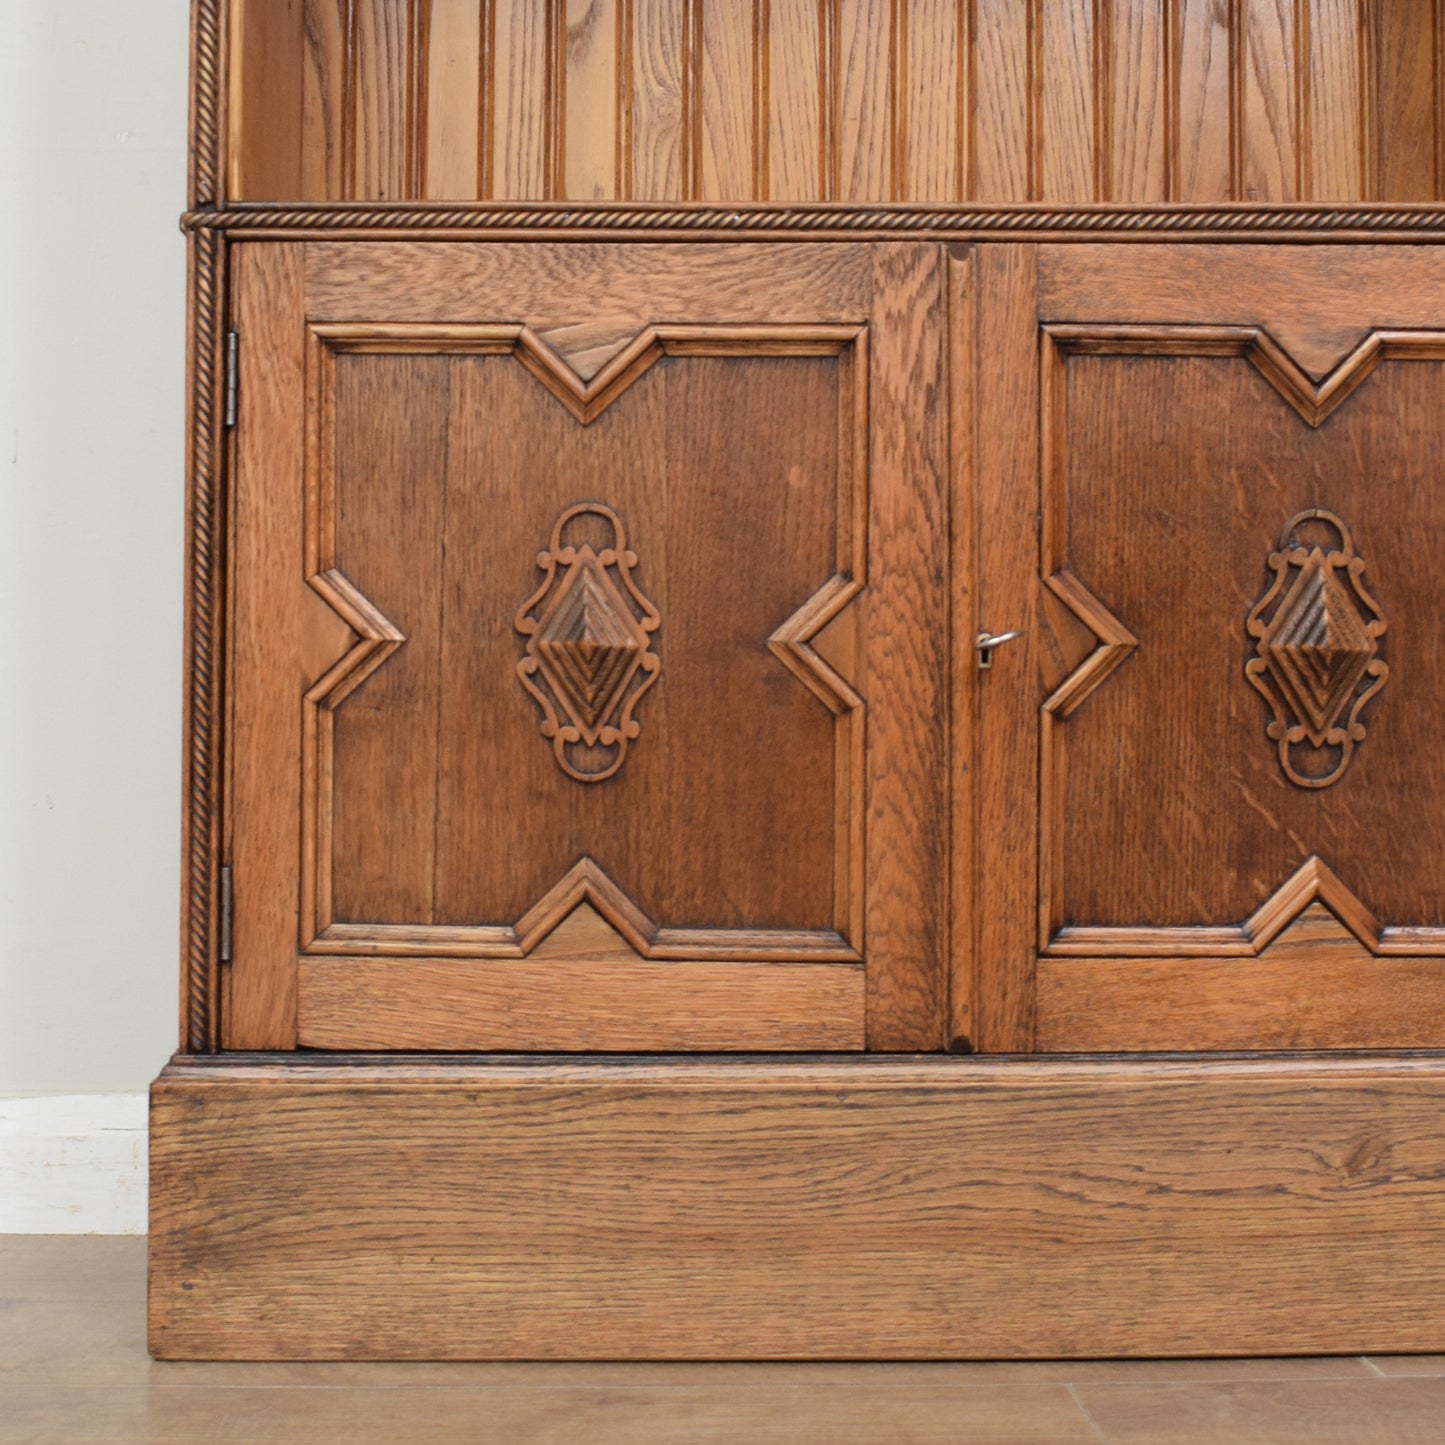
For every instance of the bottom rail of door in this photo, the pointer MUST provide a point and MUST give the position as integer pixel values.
(589, 1208)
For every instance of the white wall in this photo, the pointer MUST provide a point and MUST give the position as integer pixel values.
(92, 281)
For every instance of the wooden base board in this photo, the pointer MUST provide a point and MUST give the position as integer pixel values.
(865, 1208)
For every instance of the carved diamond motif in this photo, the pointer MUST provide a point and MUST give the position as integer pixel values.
(588, 657)
(1319, 646)
(1316, 649)
(589, 643)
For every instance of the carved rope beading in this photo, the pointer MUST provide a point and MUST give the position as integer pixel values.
(1275, 222)
(205, 93)
(202, 712)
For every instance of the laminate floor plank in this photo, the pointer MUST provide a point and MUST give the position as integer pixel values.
(72, 1267)
(74, 1367)
(1379, 1411)
(622, 1415)
(1408, 1364)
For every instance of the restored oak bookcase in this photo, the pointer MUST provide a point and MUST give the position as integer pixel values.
(815, 682)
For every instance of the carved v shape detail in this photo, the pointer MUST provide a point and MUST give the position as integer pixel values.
(1312, 400)
(1116, 642)
(587, 400)
(1313, 882)
(376, 639)
(585, 882)
(791, 644)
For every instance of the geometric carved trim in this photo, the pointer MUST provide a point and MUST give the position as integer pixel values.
(584, 882)
(1313, 401)
(1116, 642)
(1312, 882)
(791, 644)
(588, 644)
(587, 400)
(378, 638)
(1316, 651)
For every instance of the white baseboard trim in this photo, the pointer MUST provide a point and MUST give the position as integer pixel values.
(73, 1164)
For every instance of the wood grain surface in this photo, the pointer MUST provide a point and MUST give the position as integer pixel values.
(944, 1208)
(1194, 404)
(846, 100)
(783, 799)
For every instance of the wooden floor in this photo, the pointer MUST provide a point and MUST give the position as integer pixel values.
(73, 1368)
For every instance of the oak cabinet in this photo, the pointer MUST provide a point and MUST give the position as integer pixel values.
(590, 636)
(814, 682)
(1208, 494)
(597, 625)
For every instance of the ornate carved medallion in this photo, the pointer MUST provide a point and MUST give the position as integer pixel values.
(1316, 660)
(588, 657)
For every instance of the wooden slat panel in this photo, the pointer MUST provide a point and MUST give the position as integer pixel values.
(591, 101)
(1334, 168)
(1134, 103)
(453, 99)
(1065, 84)
(931, 92)
(327, 120)
(729, 101)
(1404, 42)
(381, 100)
(265, 143)
(866, 117)
(519, 101)
(1205, 121)
(569, 1005)
(794, 115)
(657, 100)
(1269, 85)
(861, 1208)
(1004, 163)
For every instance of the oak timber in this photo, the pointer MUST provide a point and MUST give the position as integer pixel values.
(727, 1209)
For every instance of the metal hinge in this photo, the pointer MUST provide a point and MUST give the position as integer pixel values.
(225, 923)
(233, 376)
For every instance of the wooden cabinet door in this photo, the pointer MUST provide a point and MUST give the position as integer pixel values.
(1211, 781)
(588, 646)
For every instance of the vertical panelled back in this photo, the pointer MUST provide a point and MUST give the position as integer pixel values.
(865, 101)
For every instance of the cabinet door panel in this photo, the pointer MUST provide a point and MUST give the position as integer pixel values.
(1230, 657)
(585, 766)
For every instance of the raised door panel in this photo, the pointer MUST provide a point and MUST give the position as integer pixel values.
(1227, 694)
(575, 572)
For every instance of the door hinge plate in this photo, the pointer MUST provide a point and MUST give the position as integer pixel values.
(233, 376)
(225, 920)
